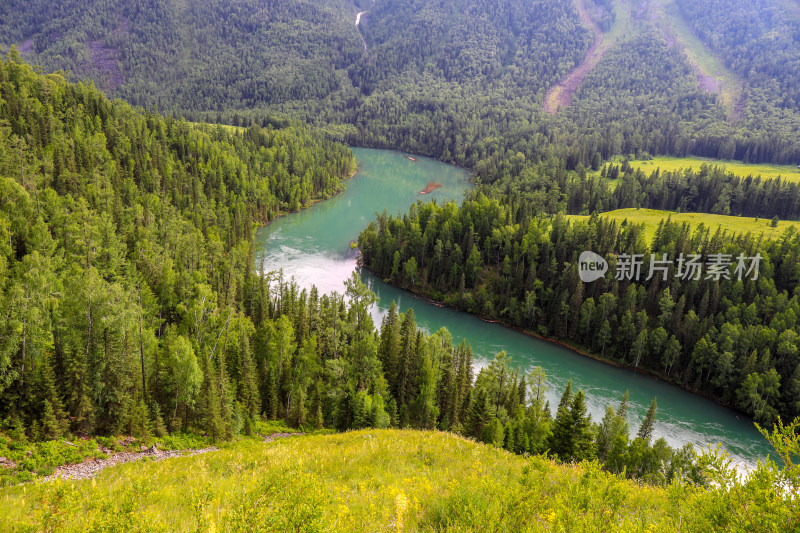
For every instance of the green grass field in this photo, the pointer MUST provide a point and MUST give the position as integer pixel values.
(652, 217)
(743, 170)
(386, 481)
(373, 480)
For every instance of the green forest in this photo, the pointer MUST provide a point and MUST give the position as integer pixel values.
(732, 339)
(121, 231)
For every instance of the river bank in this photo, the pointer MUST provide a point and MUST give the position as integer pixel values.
(573, 347)
(312, 203)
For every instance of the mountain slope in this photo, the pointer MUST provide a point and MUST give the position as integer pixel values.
(191, 54)
(381, 480)
(458, 80)
(116, 226)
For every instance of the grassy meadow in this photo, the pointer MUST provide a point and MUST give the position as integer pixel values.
(651, 218)
(391, 480)
(372, 480)
(743, 170)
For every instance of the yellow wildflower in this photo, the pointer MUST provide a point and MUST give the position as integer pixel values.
(401, 505)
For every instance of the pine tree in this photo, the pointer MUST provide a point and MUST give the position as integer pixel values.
(52, 427)
(141, 426)
(646, 429)
(379, 418)
(622, 411)
(560, 442)
(582, 437)
(391, 410)
(426, 410)
(227, 397)
(479, 412)
(159, 428)
(209, 406)
(300, 411)
(317, 409)
(613, 431)
(390, 346)
(407, 366)
(345, 410)
(272, 402)
(493, 432)
(605, 433)
(54, 420)
(465, 375)
(247, 392)
(522, 389)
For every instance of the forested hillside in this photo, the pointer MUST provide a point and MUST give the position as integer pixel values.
(759, 40)
(459, 81)
(131, 301)
(191, 55)
(125, 234)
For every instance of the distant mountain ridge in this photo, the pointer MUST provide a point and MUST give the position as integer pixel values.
(459, 80)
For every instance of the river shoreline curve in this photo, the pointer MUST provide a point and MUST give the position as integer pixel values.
(580, 350)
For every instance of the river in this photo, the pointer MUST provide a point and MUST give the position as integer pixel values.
(313, 246)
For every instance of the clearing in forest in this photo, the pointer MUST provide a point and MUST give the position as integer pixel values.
(651, 218)
(561, 94)
(712, 74)
(671, 164)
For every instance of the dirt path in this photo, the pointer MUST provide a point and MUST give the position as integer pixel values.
(561, 94)
(275, 436)
(91, 467)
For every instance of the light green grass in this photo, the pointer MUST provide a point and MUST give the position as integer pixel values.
(391, 481)
(652, 217)
(742, 170)
(226, 127)
(373, 480)
(623, 27)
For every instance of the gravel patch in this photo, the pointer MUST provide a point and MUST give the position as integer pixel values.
(91, 467)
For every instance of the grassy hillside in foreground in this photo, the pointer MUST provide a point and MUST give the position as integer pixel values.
(652, 217)
(372, 480)
(743, 170)
(392, 480)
